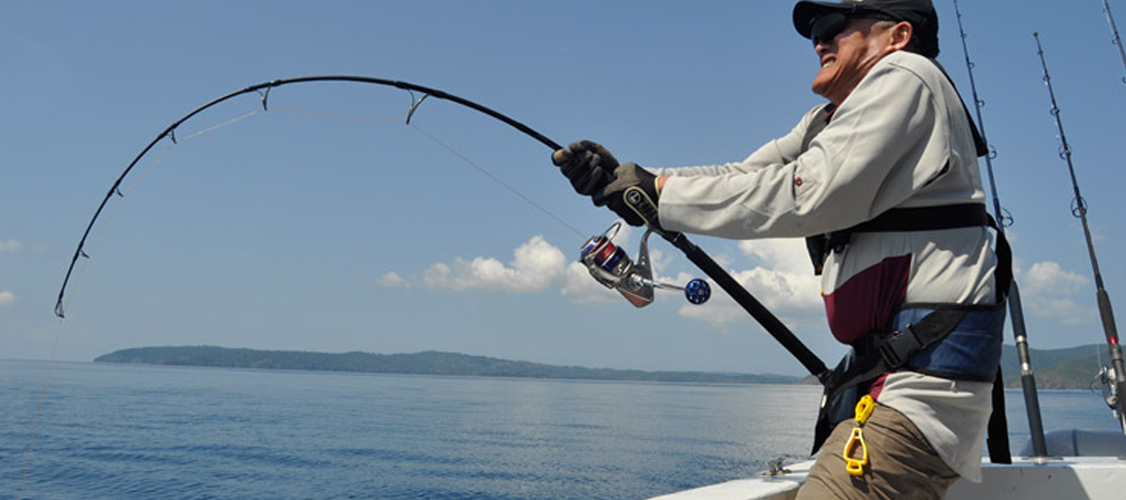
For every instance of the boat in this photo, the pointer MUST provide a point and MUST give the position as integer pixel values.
(1078, 464)
(1027, 478)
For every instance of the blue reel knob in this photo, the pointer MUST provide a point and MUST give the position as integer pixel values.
(697, 291)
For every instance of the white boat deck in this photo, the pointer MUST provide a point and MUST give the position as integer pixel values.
(1070, 478)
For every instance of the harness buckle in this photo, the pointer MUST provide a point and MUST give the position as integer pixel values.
(898, 346)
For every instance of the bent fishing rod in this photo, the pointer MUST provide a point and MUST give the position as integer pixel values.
(748, 302)
(1016, 310)
(1079, 210)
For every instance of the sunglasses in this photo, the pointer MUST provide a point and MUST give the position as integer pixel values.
(826, 27)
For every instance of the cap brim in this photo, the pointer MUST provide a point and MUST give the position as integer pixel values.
(805, 12)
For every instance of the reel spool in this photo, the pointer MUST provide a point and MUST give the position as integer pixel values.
(611, 266)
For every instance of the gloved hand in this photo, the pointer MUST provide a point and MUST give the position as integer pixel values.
(588, 165)
(633, 195)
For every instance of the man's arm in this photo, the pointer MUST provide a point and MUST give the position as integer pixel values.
(882, 145)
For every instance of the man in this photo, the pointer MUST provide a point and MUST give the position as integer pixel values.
(883, 181)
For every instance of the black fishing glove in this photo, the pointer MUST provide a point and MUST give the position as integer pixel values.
(588, 165)
(632, 195)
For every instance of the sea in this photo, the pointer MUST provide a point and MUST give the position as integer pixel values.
(110, 431)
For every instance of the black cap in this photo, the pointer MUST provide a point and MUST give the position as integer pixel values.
(920, 13)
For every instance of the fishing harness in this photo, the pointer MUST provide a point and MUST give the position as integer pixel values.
(927, 338)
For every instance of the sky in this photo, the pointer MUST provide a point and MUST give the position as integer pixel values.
(326, 223)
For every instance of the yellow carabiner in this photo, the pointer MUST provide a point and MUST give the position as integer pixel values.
(855, 466)
(864, 408)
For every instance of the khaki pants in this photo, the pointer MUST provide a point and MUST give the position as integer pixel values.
(901, 464)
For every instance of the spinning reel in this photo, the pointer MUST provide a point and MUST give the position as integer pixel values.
(610, 266)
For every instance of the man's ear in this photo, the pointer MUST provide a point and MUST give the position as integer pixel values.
(901, 35)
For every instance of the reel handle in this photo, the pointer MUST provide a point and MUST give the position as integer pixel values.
(696, 291)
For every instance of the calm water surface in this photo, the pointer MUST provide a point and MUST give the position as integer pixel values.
(123, 431)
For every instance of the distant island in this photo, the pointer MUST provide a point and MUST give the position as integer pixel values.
(1072, 368)
(421, 363)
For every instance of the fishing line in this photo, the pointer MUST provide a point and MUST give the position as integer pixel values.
(148, 168)
(39, 411)
(496, 179)
(263, 90)
(81, 272)
(415, 103)
(329, 114)
(85, 249)
(218, 126)
(168, 149)
(444, 145)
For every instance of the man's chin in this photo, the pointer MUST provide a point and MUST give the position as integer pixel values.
(821, 88)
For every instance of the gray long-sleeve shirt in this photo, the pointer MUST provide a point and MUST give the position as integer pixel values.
(901, 139)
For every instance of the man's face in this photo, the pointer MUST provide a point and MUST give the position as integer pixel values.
(847, 58)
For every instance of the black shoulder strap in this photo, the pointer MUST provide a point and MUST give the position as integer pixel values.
(901, 220)
(997, 441)
(819, 122)
(925, 219)
(982, 148)
(898, 220)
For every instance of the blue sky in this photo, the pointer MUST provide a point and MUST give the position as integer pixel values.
(326, 224)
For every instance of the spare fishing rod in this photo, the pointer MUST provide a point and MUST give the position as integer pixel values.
(1114, 32)
(1079, 210)
(1016, 310)
(695, 291)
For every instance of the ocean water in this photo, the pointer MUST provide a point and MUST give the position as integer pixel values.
(158, 432)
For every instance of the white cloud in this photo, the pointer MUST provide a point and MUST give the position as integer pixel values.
(1048, 278)
(535, 267)
(784, 283)
(7, 297)
(12, 246)
(392, 280)
(789, 255)
(1048, 291)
